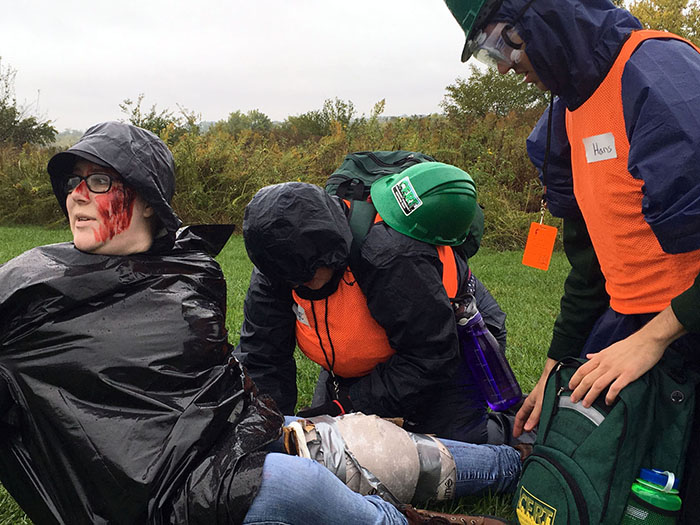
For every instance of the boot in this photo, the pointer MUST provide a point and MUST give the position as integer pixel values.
(428, 517)
(525, 450)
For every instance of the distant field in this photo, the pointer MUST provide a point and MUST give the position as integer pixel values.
(530, 298)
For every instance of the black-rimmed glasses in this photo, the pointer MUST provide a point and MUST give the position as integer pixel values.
(96, 182)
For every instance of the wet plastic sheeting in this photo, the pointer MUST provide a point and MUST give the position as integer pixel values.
(116, 370)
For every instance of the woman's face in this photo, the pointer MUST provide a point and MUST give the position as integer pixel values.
(111, 223)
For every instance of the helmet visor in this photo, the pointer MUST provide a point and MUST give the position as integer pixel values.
(494, 45)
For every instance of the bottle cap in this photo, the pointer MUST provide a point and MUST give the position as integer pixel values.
(658, 477)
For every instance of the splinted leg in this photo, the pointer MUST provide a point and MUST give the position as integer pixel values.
(374, 456)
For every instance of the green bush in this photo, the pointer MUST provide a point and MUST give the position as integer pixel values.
(26, 196)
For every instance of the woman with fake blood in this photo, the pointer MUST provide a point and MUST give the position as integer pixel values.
(119, 401)
(110, 211)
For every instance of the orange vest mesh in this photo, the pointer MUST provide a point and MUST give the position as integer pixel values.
(360, 343)
(640, 276)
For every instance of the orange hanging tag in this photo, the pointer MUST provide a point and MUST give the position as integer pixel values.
(539, 246)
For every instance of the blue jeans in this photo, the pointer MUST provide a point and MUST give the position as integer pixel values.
(482, 468)
(295, 490)
(299, 491)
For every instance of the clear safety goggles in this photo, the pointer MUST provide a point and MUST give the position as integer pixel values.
(494, 45)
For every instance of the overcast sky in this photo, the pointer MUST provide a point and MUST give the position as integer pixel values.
(79, 59)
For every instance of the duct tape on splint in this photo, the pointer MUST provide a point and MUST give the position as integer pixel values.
(374, 456)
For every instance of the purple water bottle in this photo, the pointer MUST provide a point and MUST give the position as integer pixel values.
(485, 358)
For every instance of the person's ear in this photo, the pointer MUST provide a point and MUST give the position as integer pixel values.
(148, 211)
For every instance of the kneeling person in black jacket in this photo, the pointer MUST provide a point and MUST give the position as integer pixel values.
(381, 325)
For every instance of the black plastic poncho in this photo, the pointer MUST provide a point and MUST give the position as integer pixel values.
(120, 402)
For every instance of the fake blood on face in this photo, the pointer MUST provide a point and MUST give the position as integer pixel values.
(115, 209)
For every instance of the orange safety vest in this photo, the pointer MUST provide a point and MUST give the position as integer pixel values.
(640, 276)
(360, 343)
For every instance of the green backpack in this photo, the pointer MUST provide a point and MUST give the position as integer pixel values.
(354, 177)
(585, 459)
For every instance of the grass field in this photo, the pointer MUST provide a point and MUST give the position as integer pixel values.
(530, 298)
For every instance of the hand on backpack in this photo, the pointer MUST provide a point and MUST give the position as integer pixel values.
(528, 416)
(625, 361)
(337, 407)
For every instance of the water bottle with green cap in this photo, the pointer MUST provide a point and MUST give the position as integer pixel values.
(653, 499)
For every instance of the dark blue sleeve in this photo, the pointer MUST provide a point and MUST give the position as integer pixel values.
(661, 102)
(560, 188)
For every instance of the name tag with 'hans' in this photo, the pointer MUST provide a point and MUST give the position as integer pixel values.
(600, 147)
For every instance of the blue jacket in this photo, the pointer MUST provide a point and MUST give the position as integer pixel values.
(572, 45)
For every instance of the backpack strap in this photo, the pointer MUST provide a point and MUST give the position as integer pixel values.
(362, 216)
(353, 189)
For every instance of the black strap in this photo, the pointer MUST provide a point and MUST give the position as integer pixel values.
(361, 218)
(330, 363)
(545, 162)
(353, 189)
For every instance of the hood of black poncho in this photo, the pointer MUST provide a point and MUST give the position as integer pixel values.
(139, 156)
(292, 229)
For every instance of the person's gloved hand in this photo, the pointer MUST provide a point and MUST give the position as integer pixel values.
(331, 408)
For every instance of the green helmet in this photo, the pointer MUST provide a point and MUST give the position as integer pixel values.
(472, 15)
(431, 201)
